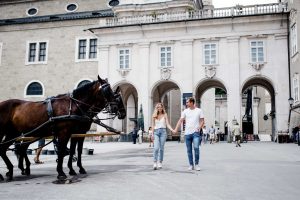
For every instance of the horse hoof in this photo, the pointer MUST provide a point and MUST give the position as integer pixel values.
(27, 172)
(9, 176)
(82, 171)
(72, 173)
(23, 172)
(1, 178)
(61, 177)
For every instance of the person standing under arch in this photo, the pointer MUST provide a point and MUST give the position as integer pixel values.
(160, 122)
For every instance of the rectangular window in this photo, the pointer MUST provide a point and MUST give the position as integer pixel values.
(210, 54)
(42, 54)
(257, 51)
(294, 48)
(166, 57)
(93, 48)
(37, 52)
(86, 49)
(82, 49)
(124, 58)
(296, 87)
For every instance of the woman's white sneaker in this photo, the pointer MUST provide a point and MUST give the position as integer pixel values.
(191, 167)
(155, 166)
(159, 165)
(197, 168)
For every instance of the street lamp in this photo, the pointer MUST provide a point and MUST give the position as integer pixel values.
(291, 101)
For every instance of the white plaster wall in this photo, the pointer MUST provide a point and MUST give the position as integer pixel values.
(233, 69)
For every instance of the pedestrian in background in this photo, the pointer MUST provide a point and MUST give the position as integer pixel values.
(160, 122)
(150, 136)
(211, 132)
(140, 135)
(205, 133)
(237, 134)
(41, 144)
(194, 122)
(134, 134)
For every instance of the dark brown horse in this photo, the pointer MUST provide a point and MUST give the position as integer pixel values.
(78, 141)
(60, 116)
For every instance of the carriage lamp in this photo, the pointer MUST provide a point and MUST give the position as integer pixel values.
(291, 101)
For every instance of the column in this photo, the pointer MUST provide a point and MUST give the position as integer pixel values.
(255, 120)
(233, 84)
(103, 60)
(144, 96)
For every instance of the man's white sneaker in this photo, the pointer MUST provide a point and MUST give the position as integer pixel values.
(155, 166)
(191, 167)
(159, 165)
(197, 168)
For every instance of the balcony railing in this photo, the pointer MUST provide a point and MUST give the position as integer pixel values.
(201, 14)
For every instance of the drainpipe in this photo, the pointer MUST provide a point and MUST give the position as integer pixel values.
(289, 67)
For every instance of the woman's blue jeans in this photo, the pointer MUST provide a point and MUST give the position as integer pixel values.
(160, 136)
(193, 140)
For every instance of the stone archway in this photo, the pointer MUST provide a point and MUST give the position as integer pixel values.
(130, 99)
(213, 104)
(169, 94)
(259, 101)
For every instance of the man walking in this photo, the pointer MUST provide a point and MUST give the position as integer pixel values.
(194, 122)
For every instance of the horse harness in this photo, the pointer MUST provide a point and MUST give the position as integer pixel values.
(85, 117)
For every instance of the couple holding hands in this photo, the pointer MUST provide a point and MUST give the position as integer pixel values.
(194, 121)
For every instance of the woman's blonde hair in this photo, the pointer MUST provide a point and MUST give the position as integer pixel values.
(155, 112)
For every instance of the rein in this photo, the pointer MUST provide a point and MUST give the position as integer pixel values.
(85, 117)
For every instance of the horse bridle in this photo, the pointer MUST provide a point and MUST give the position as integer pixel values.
(108, 108)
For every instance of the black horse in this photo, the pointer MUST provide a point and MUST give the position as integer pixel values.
(60, 116)
(78, 141)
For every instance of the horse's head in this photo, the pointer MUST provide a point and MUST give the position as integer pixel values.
(114, 100)
(119, 107)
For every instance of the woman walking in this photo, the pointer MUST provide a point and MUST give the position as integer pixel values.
(160, 123)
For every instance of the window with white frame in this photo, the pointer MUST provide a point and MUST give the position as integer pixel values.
(37, 52)
(34, 89)
(86, 49)
(124, 58)
(294, 48)
(210, 53)
(166, 56)
(257, 51)
(296, 87)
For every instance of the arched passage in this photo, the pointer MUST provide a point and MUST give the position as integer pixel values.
(258, 97)
(211, 97)
(130, 98)
(169, 94)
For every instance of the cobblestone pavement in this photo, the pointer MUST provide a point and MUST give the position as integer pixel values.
(124, 171)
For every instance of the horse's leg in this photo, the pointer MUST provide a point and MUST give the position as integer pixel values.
(10, 167)
(21, 151)
(79, 152)
(20, 157)
(28, 163)
(61, 152)
(72, 152)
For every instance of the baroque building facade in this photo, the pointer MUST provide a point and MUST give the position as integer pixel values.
(155, 50)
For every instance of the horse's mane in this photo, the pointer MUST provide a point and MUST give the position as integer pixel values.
(83, 89)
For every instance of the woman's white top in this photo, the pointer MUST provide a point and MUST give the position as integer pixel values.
(160, 123)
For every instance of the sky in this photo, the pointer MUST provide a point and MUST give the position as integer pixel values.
(229, 3)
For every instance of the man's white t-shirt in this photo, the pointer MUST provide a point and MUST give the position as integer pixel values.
(192, 120)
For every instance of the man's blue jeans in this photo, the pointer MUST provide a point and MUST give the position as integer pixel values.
(160, 136)
(193, 140)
